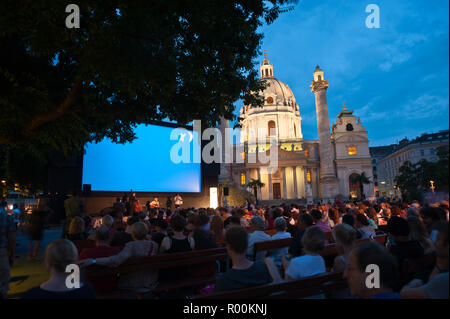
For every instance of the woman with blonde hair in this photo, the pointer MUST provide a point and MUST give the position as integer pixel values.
(77, 229)
(60, 254)
(345, 237)
(140, 246)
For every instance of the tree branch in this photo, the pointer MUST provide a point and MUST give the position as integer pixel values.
(41, 119)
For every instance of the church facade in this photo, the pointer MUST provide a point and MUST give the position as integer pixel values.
(319, 170)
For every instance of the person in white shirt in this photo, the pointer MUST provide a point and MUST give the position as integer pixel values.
(178, 201)
(257, 226)
(280, 226)
(311, 263)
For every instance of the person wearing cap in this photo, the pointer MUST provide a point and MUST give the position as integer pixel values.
(257, 225)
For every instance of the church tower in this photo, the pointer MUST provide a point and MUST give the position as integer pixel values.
(328, 182)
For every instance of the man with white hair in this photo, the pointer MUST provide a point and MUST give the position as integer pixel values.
(257, 225)
(280, 225)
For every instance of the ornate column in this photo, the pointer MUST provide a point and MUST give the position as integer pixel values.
(328, 181)
(259, 189)
(270, 185)
(294, 168)
(284, 183)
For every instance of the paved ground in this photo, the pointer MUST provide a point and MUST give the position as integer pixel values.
(27, 274)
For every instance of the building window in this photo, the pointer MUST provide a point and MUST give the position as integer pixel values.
(422, 153)
(349, 127)
(351, 150)
(269, 100)
(271, 128)
(307, 152)
(308, 176)
(242, 178)
(295, 131)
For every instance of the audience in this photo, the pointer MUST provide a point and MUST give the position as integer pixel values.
(58, 255)
(438, 283)
(356, 273)
(257, 226)
(140, 246)
(362, 224)
(418, 232)
(311, 263)
(178, 242)
(345, 237)
(77, 229)
(399, 244)
(280, 226)
(244, 273)
(304, 221)
(317, 217)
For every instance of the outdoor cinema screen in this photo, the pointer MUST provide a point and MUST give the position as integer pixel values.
(146, 164)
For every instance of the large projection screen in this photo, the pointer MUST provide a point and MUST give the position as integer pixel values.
(145, 165)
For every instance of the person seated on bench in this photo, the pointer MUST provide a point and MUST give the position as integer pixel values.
(160, 233)
(107, 221)
(362, 224)
(311, 263)
(418, 232)
(77, 230)
(438, 282)
(304, 221)
(345, 237)
(399, 243)
(317, 216)
(366, 254)
(178, 242)
(58, 255)
(280, 225)
(232, 221)
(102, 249)
(350, 220)
(257, 225)
(203, 236)
(244, 272)
(122, 237)
(140, 246)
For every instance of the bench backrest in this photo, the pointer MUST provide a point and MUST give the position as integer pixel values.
(161, 261)
(271, 244)
(299, 288)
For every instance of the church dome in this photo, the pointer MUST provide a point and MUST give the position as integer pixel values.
(278, 93)
(279, 114)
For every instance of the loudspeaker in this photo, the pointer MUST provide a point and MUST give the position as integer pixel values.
(225, 191)
(86, 189)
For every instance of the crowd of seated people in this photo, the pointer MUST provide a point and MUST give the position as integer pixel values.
(413, 231)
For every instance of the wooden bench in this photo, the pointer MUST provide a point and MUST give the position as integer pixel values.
(164, 261)
(270, 245)
(324, 283)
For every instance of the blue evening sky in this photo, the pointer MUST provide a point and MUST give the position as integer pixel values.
(395, 78)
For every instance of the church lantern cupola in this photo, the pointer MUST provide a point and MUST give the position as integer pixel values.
(266, 69)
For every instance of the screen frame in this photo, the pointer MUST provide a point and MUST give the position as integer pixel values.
(203, 168)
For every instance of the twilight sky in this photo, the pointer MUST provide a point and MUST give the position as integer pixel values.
(395, 78)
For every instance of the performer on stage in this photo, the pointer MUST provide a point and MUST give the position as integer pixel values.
(178, 201)
(155, 203)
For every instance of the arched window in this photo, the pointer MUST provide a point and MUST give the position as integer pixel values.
(349, 127)
(242, 178)
(351, 150)
(319, 78)
(269, 100)
(271, 128)
(308, 176)
(307, 152)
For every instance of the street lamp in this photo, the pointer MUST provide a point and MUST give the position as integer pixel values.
(432, 186)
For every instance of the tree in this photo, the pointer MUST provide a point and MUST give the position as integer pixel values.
(255, 184)
(360, 179)
(130, 62)
(414, 179)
